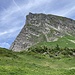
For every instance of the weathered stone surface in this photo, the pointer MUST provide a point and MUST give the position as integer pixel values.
(42, 27)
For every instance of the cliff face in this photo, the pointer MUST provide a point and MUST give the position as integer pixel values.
(42, 27)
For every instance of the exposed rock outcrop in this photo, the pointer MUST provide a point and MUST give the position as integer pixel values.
(42, 27)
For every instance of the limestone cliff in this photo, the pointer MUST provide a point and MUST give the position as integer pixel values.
(42, 27)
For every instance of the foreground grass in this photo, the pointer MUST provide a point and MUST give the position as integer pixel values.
(31, 63)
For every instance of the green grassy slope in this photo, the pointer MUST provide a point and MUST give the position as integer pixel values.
(31, 63)
(65, 41)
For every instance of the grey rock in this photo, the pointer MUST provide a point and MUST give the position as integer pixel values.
(42, 27)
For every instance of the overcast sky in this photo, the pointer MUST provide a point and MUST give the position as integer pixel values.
(13, 14)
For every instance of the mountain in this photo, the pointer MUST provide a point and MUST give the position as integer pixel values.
(47, 29)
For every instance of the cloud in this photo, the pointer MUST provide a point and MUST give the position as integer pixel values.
(64, 8)
(10, 31)
(12, 14)
(70, 11)
(5, 45)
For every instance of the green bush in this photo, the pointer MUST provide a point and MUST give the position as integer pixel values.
(52, 51)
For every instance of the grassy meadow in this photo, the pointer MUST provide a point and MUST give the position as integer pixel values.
(37, 63)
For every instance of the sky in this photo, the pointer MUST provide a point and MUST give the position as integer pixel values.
(13, 15)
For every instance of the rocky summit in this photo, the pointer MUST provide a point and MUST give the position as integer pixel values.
(42, 28)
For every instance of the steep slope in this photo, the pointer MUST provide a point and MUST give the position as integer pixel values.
(30, 63)
(63, 42)
(43, 28)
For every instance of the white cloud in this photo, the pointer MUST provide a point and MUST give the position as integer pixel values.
(10, 31)
(3, 33)
(66, 10)
(69, 11)
(5, 45)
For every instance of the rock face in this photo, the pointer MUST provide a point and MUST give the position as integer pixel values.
(42, 27)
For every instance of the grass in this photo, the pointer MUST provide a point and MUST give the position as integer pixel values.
(31, 63)
(62, 42)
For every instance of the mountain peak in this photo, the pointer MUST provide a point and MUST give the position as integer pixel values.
(42, 28)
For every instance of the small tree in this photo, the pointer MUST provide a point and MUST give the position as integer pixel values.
(57, 47)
